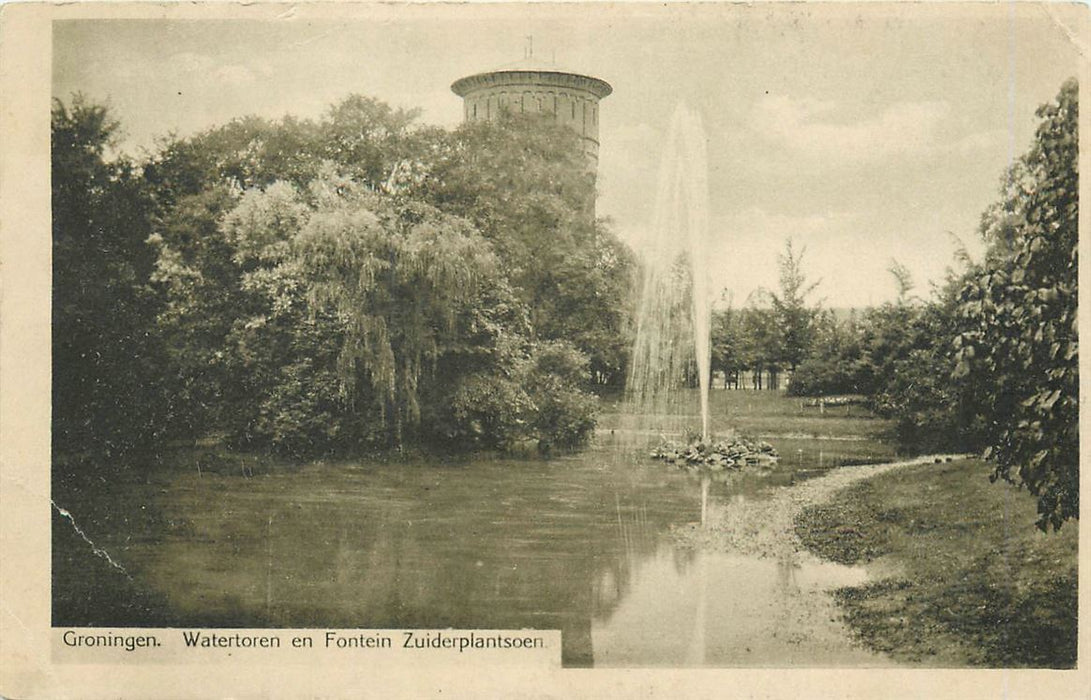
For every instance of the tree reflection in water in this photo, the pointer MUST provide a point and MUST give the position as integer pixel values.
(484, 544)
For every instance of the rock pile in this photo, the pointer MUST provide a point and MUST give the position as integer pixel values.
(724, 454)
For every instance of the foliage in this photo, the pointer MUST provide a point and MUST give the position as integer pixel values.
(774, 331)
(900, 356)
(794, 319)
(565, 414)
(339, 300)
(538, 398)
(364, 280)
(1020, 348)
(200, 287)
(525, 184)
(106, 355)
(836, 364)
(725, 340)
(396, 276)
(759, 334)
(337, 317)
(488, 411)
(375, 144)
(911, 364)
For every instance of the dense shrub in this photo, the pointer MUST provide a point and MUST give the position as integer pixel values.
(564, 414)
(487, 411)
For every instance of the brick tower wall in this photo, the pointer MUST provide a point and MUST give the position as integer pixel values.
(572, 99)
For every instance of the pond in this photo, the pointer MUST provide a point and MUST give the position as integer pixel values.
(581, 543)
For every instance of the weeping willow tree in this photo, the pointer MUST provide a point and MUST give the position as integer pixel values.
(396, 275)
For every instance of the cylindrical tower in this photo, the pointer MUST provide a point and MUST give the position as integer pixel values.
(535, 86)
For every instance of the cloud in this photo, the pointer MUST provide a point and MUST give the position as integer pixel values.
(812, 129)
(992, 140)
(190, 62)
(234, 75)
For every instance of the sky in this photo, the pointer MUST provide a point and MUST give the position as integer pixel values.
(865, 133)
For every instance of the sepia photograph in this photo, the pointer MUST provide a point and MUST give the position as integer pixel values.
(636, 336)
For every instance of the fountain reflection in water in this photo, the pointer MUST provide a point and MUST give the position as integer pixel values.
(673, 316)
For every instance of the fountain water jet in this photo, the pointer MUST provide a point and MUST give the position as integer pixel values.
(673, 316)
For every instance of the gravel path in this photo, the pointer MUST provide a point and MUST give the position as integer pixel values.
(805, 628)
(765, 527)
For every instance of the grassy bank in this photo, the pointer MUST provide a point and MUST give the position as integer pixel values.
(966, 577)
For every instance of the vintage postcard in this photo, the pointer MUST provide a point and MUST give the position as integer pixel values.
(472, 349)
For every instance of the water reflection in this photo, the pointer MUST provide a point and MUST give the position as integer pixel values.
(491, 544)
(726, 610)
(579, 544)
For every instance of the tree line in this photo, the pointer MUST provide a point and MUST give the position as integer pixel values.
(772, 333)
(987, 362)
(358, 281)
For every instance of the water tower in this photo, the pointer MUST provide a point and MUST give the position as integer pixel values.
(531, 85)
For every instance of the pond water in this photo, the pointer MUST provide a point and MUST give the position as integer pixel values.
(579, 543)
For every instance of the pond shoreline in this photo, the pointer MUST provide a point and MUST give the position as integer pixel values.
(960, 574)
(765, 528)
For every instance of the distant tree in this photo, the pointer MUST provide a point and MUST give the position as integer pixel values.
(903, 278)
(759, 336)
(726, 340)
(794, 318)
(909, 371)
(1020, 348)
(836, 363)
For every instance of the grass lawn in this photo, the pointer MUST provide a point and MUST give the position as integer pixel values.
(775, 413)
(969, 579)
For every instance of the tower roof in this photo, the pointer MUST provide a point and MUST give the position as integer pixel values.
(531, 66)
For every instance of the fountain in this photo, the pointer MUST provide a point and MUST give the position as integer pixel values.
(672, 345)
(673, 317)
